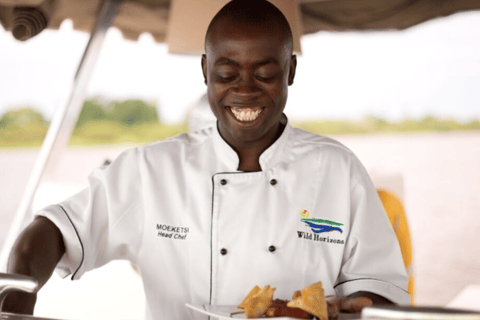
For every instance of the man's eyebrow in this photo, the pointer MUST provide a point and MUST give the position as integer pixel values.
(270, 60)
(225, 61)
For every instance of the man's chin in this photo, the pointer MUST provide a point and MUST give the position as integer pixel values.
(244, 135)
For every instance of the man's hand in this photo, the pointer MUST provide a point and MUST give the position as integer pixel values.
(20, 302)
(375, 298)
(36, 253)
(354, 303)
(349, 305)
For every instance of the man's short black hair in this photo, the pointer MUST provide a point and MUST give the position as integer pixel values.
(259, 13)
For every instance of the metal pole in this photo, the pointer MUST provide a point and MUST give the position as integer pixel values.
(62, 124)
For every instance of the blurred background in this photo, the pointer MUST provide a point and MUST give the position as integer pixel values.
(406, 102)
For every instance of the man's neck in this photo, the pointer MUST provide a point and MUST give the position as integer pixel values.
(249, 152)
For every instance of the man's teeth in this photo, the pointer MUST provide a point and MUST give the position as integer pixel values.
(246, 114)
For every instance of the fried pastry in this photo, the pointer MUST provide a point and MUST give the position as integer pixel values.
(312, 300)
(257, 301)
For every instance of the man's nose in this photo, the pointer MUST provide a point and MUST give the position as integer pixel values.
(246, 88)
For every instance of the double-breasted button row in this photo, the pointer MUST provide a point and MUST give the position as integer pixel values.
(224, 182)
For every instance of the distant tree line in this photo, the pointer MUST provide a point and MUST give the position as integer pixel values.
(22, 117)
(99, 122)
(22, 127)
(138, 122)
(372, 124)
(126, 112)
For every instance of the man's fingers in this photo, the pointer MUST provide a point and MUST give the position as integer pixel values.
(355, 304)
(20, 303)
(351, 305)
(333, 309)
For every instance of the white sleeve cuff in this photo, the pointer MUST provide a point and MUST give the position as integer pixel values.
(382, 288)
(72, 261)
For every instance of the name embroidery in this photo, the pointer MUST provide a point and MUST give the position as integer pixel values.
(165, 231)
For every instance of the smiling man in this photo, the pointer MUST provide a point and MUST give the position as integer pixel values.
(210, 214)
(248, 65)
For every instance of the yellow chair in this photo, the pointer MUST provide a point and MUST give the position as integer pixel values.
(396, 213)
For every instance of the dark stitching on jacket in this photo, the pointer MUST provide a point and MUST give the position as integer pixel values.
(81, 244)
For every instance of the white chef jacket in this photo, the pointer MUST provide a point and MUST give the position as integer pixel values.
(204, 233)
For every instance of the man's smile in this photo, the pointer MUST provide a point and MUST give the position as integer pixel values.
(246, 114)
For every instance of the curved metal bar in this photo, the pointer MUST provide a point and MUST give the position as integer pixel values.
(15, 282)
(62, 124)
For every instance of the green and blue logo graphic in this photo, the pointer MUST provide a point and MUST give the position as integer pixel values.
(320, 225)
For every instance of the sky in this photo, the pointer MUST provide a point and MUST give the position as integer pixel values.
(429, 69)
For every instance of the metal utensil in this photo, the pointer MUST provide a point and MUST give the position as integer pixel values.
(417, 313)
(15, 282)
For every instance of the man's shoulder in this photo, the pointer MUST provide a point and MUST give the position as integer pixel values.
(183, 140)
(306, 139)
(329, 150)
(172, 147)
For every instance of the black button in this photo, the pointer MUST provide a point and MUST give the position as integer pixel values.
(223, 251)
(272, 248)
(273, 182)
(223, 182)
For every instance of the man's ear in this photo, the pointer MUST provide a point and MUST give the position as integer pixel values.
(293, 68)
(204, 67)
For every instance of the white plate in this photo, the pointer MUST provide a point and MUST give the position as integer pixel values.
(224, 312)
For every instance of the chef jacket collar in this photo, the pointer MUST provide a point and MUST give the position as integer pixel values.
(269, 158)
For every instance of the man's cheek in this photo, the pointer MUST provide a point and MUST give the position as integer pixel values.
(219, 92)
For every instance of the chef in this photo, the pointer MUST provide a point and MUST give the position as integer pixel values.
(253, 201)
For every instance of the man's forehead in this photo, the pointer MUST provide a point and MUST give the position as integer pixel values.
(227, 51)
(229, 29)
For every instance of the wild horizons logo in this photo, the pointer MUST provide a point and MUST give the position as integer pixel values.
(319, 226)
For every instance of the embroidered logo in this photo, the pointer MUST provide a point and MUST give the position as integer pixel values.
(319, 226)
